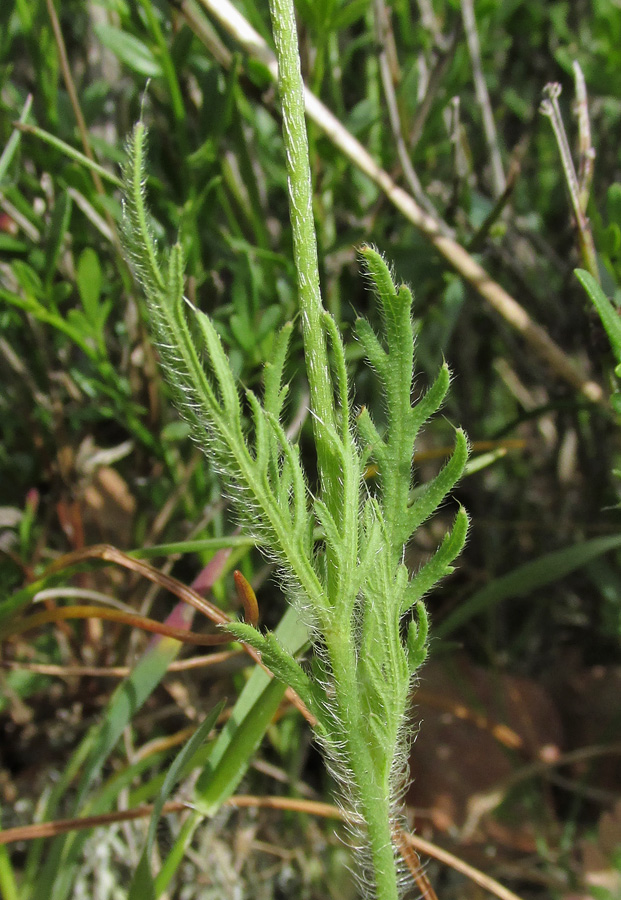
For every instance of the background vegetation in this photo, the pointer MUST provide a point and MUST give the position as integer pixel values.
(515, 767)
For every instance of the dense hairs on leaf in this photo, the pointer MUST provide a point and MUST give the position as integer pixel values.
(265, 482)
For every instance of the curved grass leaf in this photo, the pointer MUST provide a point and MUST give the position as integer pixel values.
(130, 50)
(142, 886)
(529, 577)
(606, 311)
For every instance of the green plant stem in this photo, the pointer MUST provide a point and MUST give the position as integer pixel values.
(168, 66)
(373, 792)
(291, 88)
(369, 775)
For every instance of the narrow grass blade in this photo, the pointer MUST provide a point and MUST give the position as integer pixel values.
(236, 744)
(249, 720)
(13, 142)
(521, 581)
(130, 50)
(606, 311)
(8, 885)
(70, 152)
(142, 886)
(55, 878)
(199, 545)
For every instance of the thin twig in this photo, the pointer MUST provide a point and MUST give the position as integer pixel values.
(62, 613)
(480, 87)
(412, 861)
(460, 157)
(80, 593)
(484, 803)
(459, 258)
(79, 117)
(449, 859)
(429, 20)
(242, 801)
(550, 108)
(92, 215)
(245, 801)
(497, 209)
(204, 31)
(439, 68)
(178, 665)
(30, 230)
(382, 27)
(586, 151)
(109, 554)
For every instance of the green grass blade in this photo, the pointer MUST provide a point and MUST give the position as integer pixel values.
(8, 885)
(235, 746)
(526, 578)
(56, 875)
(199, 545)
(71, 153)
(130, 50)
(175, 857)
(253, 712)
(167, 64)
(142, 886)
(606, 311)
(49, 317)
(58, 227)
(12, 144)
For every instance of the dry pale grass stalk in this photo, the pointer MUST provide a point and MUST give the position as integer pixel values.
(457, 256)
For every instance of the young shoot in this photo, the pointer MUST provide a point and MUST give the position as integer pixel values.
(365, 611)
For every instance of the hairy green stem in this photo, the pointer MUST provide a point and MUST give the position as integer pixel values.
(338, 487)
(291, 88)
(372, 788)
(373, 796)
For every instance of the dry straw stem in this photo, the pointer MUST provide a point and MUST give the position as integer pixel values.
(110, 554)
(482, 804)
(405, 840)
(578, 187)
(69, 671)
(489, 126)
(585, 144)
(81, 122)
(385, 41)
(496, 296)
